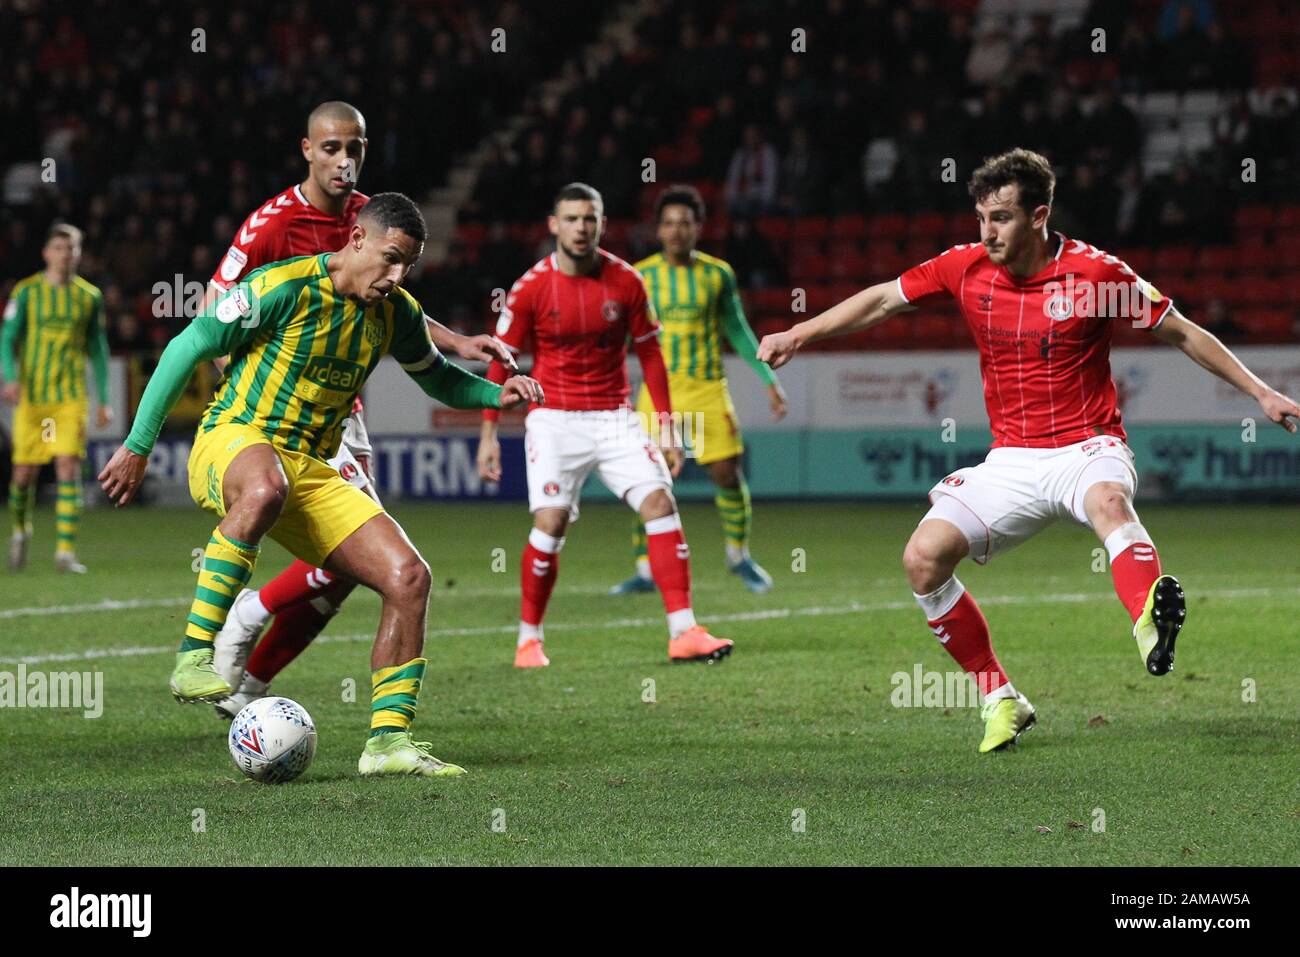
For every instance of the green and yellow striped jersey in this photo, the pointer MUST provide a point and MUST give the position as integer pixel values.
(299, 352)
(56, 326)
(698, 305)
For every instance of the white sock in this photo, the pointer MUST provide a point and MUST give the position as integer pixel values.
(528, 632)
(643, 568)
(941, 601)
(251, 685)
(679, 621)
(1128, 534)
(1006, 691)
(252, 611)
(736, 553)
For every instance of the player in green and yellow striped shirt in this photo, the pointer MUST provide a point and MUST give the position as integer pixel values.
(303, 335)
(56, 318)
(696, 299)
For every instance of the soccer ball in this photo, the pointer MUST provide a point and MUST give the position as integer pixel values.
(272, 740)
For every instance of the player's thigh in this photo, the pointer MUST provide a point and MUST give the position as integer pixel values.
(224, 459)
(1094, 482)
(629, 464)
(322, 511)
(376, 554)
(70, 420)
(996, 504)
(560, 452)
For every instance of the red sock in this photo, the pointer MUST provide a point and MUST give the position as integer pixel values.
(295, 584)
(670, 561)
(291, 631)
(964, 634)
(537, 577)
(1134, 571)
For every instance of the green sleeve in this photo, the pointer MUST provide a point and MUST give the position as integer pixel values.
(452, 385)
(232, 320)
(97, 347)
(15, 324)
(440, 379)
(736, 328)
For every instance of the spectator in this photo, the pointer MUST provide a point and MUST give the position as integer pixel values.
(752, 176)
(755, 263)
(803, 177)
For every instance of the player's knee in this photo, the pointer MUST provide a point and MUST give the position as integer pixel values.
(408, 580)
(552, 521)
(928, 562)
(658, 504)
(725, 474)
(265, 496)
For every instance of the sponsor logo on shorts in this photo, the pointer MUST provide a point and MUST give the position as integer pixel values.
(954, 480)
(551, 488)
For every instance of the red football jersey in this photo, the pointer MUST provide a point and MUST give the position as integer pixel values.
(578, 328)
(286, 226)
(1044, 341)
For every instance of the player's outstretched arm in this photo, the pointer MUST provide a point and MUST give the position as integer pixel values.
(11, 333)
(862, 311)
(481, 348)
(1205, 349)
(460, 389)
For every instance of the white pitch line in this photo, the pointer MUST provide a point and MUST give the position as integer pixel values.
(815, 611)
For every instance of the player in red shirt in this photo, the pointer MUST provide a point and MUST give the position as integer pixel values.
(576, 310)
(1041, 308)
(311, 217)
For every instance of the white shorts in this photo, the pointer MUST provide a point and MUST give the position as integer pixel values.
(563, 447)
(348, 467)
(1015, 493)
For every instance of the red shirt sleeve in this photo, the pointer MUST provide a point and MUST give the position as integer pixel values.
(936, 278)
(1146, 305)
(254, 245)
(513, 328)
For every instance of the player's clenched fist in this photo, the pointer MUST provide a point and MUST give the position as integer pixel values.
(123, 475)
(778, 348)
(520, 389)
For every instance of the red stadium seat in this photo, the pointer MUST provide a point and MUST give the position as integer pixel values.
(1259, 291)
(1273, 325)
(1256, 257)
(1173, 259)
(1288, 217)
(811, 227)
(471, 234)
(1216, 259)
(806, 248)
(849, 227)
(774, 228)
(808, 269)
(884, 263)
(1251, 218)
(888, 226)
(919, 250)
(1138, 259)
(928, 226)
(849, 266)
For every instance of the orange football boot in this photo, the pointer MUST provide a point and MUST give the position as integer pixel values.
(696, 644)
(530, 654)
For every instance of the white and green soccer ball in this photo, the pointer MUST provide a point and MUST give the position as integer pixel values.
(272, 740)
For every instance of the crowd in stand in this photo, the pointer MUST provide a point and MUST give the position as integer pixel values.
(161, 150)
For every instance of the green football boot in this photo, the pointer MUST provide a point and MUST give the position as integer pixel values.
(194, 678)
(1005, 719)
(1157, 628)
(753, 574)
(635, 585)
(395, 753)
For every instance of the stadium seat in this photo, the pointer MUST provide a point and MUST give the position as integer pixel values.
(853, 226)
(1174, 259)
(928, 226)
(1216, 259)
(1256, 257)
(774, 228)
(810, 227)
(1252, 218)
(888, 226)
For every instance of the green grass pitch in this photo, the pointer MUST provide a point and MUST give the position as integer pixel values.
(790, 752)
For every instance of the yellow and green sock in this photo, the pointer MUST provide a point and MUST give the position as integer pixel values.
(67, 516)
(393, 693)
(227, 566)
(737, 512)
(21, 501)
(639, 551)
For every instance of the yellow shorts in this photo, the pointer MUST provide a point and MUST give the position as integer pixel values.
(708, 418)
(322, 508)
(43, 430)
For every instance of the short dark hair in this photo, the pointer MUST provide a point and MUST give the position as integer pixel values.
(680, 194)
(578, 191)
(396, 211)
(1031, 171)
